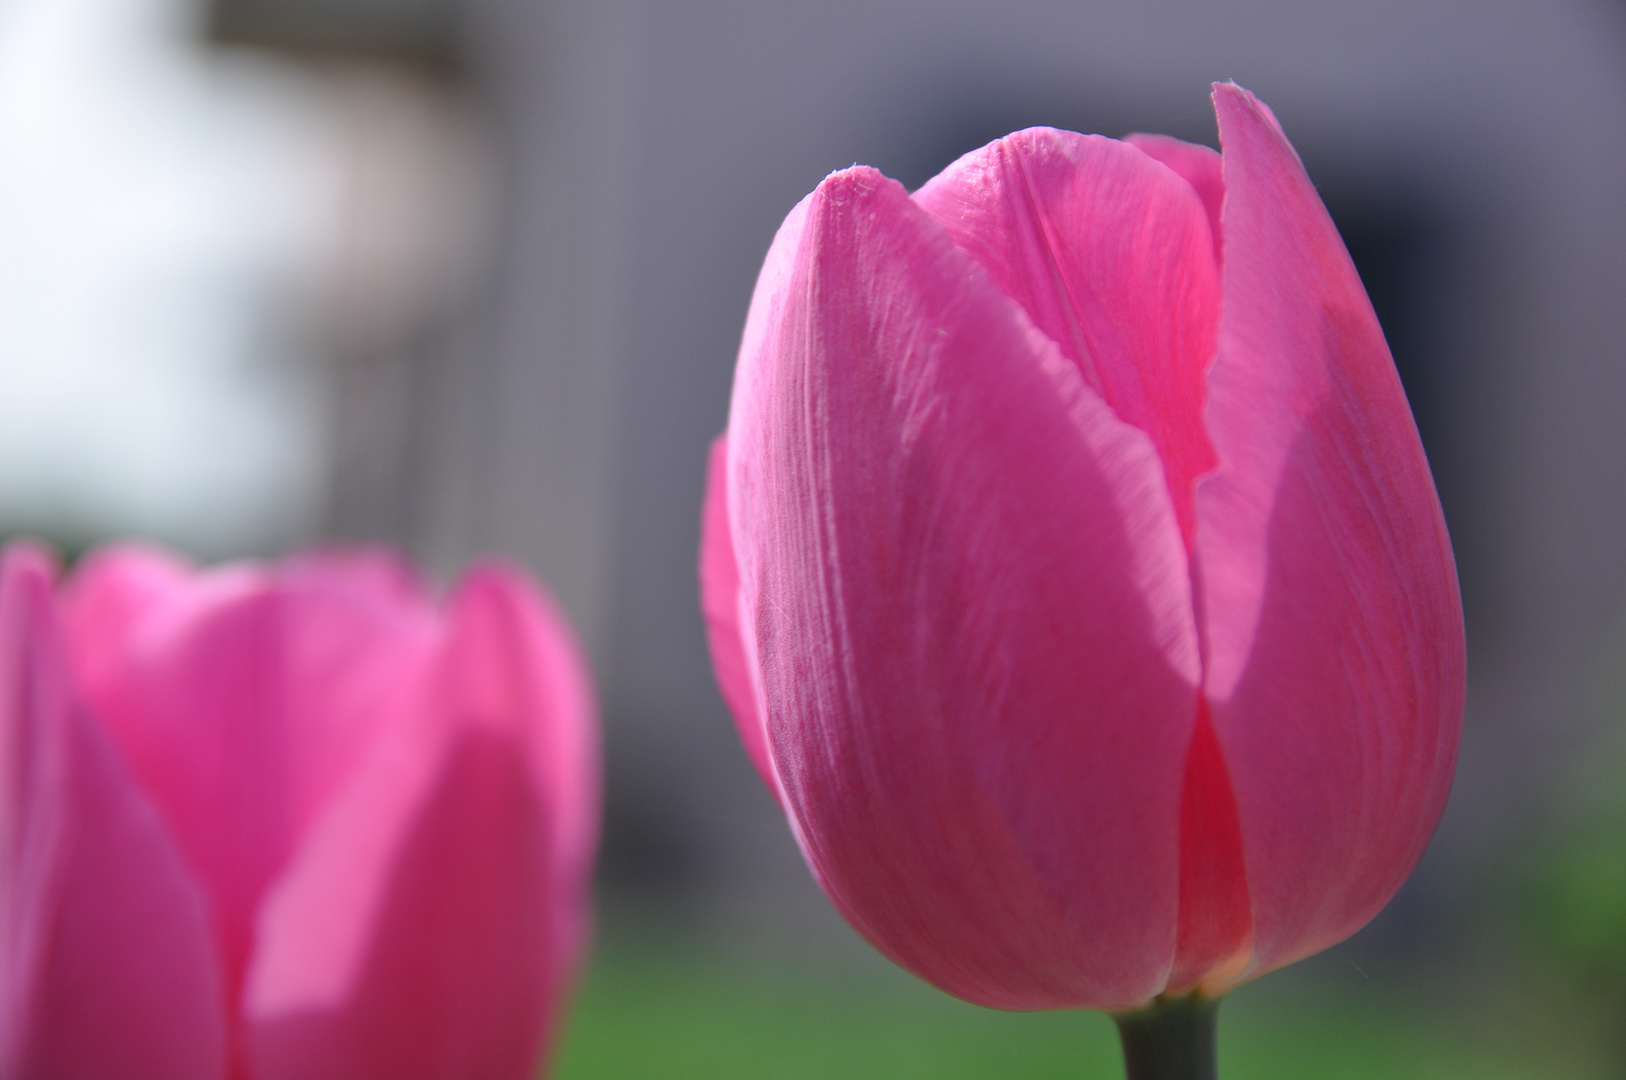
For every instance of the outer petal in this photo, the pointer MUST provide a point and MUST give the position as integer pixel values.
(105, 963)
(1110, 254)
(720, 603)
(1334, 630)
(969, 603)
(431, 923)
(242, 699)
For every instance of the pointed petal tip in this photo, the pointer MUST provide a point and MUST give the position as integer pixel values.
(493, 579)
(852, 174)
(854, 182)
(495, 584)
(1235, 106)
(497, 601)
(1230, 97)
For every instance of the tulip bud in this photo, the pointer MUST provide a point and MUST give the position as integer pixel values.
(288, 820)
(1074, 572)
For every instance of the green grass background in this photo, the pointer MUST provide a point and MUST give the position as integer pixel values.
(656, 1010)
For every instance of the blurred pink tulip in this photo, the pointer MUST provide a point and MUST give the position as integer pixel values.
(1074, 572)
(287, 821)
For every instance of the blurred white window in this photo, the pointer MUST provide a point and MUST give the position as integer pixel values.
(162, 207)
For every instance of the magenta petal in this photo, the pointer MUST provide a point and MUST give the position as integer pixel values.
(431, 922)
(1334, 631)
(376, 578)
(720, 604)
(1111, 255)
(243, 699)
(969, 600)
(1199, 166)
(512, 664)
(105, 963)
(111, 592)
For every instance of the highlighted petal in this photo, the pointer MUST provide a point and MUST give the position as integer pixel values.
(963, 575)
(105, 961)
(1334, 630)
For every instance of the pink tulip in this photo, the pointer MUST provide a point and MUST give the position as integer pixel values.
(286, 821)
(1074, 571)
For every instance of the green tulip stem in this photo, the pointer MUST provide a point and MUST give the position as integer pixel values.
(1171, 1039)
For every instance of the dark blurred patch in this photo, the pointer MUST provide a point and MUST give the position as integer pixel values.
(967, 122)
(68, 548)
(649, 856)
(1403, 243)
(1616, 9)
(418, 32)
(1397, 243)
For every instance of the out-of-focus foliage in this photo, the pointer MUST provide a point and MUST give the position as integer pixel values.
(1574, 888)
(1574, 896)
(1578, 901)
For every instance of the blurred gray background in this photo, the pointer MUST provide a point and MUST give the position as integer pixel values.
(506, 253)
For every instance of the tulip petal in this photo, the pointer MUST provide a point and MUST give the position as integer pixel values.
(1215, 938)
(1334, 631)
(1199, 166)
(431, 923)
(111, 592)
(243, 699)
(720, 604)
(512, 663)
(105, 963)
(1111, 255)
(959, 571)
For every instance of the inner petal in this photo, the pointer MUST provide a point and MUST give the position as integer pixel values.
(1111, 254)
(242, 703)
